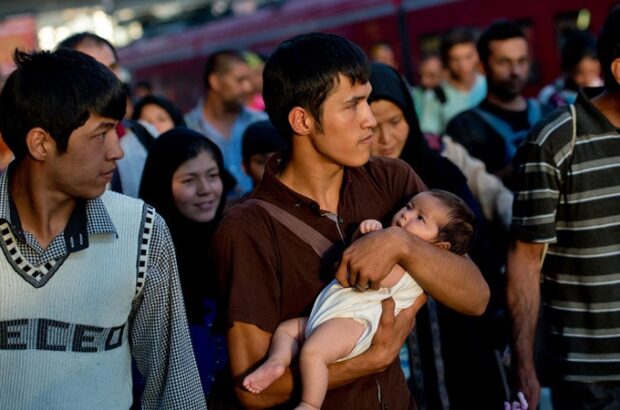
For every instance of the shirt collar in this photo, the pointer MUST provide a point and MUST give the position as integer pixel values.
(271, 185)
(593, 122)
(89, 217)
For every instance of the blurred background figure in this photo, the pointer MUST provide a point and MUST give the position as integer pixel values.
(580, 69)
(222, 114)
(158, 111)
(431, 72)
(142, 88)
(449, 344)
(260, 141)
(429, 95)
(494, 129)
(185, 180)
(95, 46)
(464, 86)
(256, 63)
(382, 52)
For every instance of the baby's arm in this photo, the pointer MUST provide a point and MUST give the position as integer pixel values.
(370, 225)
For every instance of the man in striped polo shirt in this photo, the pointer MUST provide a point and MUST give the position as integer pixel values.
(568, 197)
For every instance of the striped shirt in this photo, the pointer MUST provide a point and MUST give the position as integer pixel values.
(572, 202)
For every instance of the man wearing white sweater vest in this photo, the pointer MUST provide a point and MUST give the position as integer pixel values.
(87, 279)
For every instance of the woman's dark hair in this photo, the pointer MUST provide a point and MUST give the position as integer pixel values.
(168, 152)
(388, 84)
(173, 111)
(499, 30)
(191, 239)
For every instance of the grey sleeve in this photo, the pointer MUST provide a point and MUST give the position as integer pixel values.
(159, 335)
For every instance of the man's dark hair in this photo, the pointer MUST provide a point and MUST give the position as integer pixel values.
(74, 41)
(304, 70)
(454, 38)
(498, 31)
(608, 47)
(459, 231)
(220, 62)
(577, 46)
(57, 91)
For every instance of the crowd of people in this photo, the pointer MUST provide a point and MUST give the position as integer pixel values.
(316, 232)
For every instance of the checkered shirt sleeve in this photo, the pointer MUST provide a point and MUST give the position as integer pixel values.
(159, 334)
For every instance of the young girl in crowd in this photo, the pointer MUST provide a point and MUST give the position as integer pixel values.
(343, 321)
(185, 180)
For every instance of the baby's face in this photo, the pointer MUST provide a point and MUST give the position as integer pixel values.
(422, 216)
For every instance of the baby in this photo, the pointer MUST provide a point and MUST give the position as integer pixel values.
(343, 321)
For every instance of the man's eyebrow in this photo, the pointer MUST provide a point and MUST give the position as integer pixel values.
(356, 99)
(104, 125)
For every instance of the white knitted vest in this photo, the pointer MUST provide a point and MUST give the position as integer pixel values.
(64, 345)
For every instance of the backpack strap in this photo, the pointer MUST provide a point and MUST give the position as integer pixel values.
(317, 241)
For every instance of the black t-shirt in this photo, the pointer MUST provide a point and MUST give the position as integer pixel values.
(518, 120)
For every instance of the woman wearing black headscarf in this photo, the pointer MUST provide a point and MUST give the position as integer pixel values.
(463, 341)
(185, 180)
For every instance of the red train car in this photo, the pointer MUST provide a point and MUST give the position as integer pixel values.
(173, 63)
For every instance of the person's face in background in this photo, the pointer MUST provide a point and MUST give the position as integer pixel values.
(431, 73)
(391, 132)
(384, 54)
(197, 188)
(463, 62)
(255, 166)
(587, 73)
(102, 53)
(105, 55)
(508, 67)
(157, 116)
(234, 86)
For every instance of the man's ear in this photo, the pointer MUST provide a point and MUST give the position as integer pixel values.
(443, 245)
(615, 69)
(40, 143)
(214, 82)
(301, 121)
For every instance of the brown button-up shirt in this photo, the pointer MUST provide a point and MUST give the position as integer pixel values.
(267, 274)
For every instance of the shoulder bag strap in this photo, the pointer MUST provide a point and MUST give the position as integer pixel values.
(317, 241)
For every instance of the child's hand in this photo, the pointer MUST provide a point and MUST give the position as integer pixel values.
(370, 225)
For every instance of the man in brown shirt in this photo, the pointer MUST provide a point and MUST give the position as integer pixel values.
(316, 90)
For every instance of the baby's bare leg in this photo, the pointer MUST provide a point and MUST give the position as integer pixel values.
(329, 342)
(284, 346)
